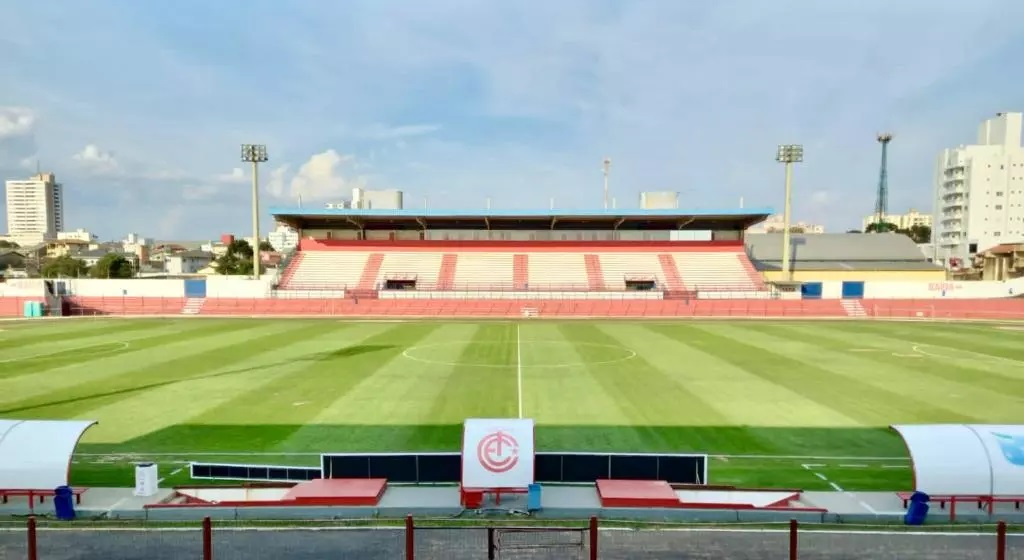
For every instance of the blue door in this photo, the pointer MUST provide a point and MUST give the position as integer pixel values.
(853, 290)
(195, 288)
(810, 290)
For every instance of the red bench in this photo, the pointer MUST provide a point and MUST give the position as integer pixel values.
(982, 501)
(42, 494)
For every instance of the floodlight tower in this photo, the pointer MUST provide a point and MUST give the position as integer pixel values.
(255, 154)
(606, 165)
(788, 154)
(882, 201)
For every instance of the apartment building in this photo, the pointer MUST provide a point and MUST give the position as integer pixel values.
(979, 193)
(35, 209)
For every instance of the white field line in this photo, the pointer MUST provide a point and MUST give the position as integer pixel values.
(838, 488)
(170, 475)
(519, 370)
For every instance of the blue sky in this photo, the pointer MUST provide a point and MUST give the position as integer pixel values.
(140, 106)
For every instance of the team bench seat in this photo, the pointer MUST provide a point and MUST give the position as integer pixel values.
(42, 494)
(982, 501)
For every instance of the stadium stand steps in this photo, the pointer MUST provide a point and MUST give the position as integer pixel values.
(752, 272)
(446, 278)
(595, 277)
(673, 282)
(368, 280)
(193, 306)
(289, 272)
(520, 271)
(715, 271)
(853, 308)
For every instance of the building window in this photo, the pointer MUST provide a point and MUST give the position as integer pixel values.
(998, 207)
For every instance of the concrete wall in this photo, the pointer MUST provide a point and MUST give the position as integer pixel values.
(216, 286)
(943, 289)
(19, 287)
(860, 275)
(411, 294)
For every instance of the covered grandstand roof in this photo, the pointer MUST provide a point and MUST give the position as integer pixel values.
(521, 219)
(842, 251)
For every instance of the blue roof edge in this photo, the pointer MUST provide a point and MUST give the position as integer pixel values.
(441, 213)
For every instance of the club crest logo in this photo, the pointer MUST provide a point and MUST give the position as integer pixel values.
(1013, 448)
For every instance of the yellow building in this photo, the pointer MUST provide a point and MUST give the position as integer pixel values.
(901, 221)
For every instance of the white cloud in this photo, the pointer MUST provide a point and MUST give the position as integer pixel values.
(236, 176)
(97, 161)
(321, 177)
(16, 122)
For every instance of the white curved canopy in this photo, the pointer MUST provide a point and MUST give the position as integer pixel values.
(36, 454)
(966, 459)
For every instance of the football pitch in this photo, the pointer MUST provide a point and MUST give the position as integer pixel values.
(781, 404)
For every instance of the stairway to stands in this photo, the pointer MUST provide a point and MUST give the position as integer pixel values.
(368, 280)
(446, 278)
(293, 265)
(853, 308)
(673, 282)
(595, 277)
(520, 271)
(193, 306)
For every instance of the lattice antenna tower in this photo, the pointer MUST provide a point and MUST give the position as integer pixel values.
(882, 200)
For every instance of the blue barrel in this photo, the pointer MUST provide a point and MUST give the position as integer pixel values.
(917, 511)
(64, 503)
(533, 497)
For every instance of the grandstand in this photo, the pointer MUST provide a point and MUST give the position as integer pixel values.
(667, 253)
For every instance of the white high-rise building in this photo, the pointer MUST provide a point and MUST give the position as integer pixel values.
(979, 193)
(35, 208)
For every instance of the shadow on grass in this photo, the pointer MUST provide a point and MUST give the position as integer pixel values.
(315, 438)
(327, 356)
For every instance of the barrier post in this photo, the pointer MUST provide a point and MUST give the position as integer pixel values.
(793, 536)
(410, 539)
(1001, 541)
(207, 539)
(32, 550)
(490, 543)
(593, 538)
(952, 509)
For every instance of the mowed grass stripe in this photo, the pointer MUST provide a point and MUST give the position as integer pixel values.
(98, 383)
(99, 346)
(69, 331)
(739, 395)
(994, 343)
(239, 368)
(886, 350)
(72, 379)
(928, 398)
(379, 393)
(867, 403)
(646, 395)
(558, 384)
(480, 382)
(332, 365)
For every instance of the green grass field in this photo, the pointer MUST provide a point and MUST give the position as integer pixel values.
(783, 404)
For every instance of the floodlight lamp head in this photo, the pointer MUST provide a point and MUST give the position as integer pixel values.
(790, 153)
(254, 153)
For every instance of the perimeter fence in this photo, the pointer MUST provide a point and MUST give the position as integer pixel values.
(456, 540)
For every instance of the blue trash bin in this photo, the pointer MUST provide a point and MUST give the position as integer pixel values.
(917, 510)
(533, 497)
(64, 503)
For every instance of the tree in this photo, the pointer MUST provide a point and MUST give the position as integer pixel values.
(65, 266)
(883, 227)
(8, 245)
(919, 233)
(237, 260)
(112, 265)
(266, 246)
(854, 231)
